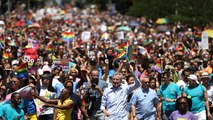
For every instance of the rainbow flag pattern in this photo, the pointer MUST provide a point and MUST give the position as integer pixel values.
(50, 48)
(120, 56)
(2, 43)
(22, 71)
(158, 67)
(198, 36)
(67, 36)
(59, 41)
(105, 36)
(5, 55)
(122, 47)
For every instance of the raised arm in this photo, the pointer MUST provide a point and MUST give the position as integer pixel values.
(44, 99)
(136, 83)
(107, 70)
(66, 106)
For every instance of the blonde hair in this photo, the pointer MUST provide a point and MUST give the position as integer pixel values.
(73, 69)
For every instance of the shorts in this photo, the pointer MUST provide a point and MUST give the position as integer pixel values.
(32, 117)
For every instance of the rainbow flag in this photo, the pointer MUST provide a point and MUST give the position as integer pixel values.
(6, 55)
(158, 67)
(119, 49)
(125, 45)
(2, 43)
(198, 36)
(105, 36)
(68, 36)
(22, 71)
(59, 41)
(50, 48)
(120, 56)
(122, 47)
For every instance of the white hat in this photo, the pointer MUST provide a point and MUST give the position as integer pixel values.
(46, 68)
(193, 77)
(15, 62)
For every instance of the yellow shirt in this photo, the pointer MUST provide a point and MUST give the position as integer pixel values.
(64, 114)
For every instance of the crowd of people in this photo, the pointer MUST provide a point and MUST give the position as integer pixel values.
(109, 67)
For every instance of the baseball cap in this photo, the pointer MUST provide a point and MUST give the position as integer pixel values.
(193, 77)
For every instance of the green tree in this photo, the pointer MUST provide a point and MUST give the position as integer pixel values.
(186, 11)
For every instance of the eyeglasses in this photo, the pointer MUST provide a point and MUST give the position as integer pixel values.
(123, 71)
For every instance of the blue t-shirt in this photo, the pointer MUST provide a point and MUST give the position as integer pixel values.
(30, 106)
(197, 96)
(10, 113)
(171, 91)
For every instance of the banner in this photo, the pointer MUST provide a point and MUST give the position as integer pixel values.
(24, 92)
(32, 43)
(63, 63)
(204, 41)
(120, 35)
(85, 36)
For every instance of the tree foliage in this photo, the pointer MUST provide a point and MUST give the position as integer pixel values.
(186, 11)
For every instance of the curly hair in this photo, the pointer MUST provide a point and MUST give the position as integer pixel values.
(189, 102)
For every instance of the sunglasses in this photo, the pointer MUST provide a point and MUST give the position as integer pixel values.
(13, 81)
(123, 71)
(146, 82)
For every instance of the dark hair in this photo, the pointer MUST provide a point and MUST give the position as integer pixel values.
(188, 100)
(67, 81)
(48, 77)
(152, 78)
(14, 94)
(58, 68)
(94, 69)
(129, 76)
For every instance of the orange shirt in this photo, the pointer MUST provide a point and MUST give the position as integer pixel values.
(208, 70)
